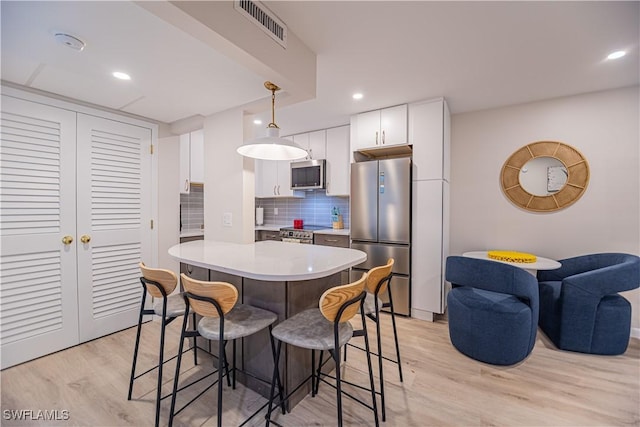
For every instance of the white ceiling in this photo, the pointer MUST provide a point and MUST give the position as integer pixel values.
(477, 55)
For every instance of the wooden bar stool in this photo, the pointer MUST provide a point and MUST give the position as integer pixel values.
(378, 281)
(326, 328)
(222, 320)
(159, 283)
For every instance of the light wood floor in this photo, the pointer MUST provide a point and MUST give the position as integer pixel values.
(441, 386)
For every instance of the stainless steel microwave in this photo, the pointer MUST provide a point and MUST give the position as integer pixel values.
(308, 175)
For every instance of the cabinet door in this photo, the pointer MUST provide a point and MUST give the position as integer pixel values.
(185, 163)
(393, 125)
(427, 289)
(426, 132)
(367, 130)
(302, 140)
(114, 209)
(338, 161)
(38, 296)
(197, 156)
(266, 173)
(317, 145)
(283, 186)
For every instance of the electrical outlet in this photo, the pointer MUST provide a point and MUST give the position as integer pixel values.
(275, 211)
(227, 219)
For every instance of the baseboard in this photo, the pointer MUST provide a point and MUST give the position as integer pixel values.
(422, 314)
(635, 332)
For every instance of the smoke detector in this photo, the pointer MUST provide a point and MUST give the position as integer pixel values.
(70, 41)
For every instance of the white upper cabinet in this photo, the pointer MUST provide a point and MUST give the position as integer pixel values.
(338, 165)
(379, 128)
(273, 179)
(314, 143)
(185, 167)
(317, 145)
(196, 161)
(429, 134)
(302, 140)
(191, 159)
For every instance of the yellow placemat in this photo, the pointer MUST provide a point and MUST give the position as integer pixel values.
(512, 256)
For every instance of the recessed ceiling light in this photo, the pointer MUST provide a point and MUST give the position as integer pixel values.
(617, 54)
(357, 96)
(257, 122)
(120, 75)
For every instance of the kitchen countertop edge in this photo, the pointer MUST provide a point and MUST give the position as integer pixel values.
(277, 227)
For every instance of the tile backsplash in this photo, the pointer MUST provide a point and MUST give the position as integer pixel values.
(192, 206)
(314, 209)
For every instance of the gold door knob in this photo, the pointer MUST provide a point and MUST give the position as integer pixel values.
(85, 238)
(67, 240)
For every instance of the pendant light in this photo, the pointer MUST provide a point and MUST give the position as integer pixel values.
(272, 147)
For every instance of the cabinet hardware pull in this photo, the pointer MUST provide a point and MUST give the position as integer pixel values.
(278, 189)
(186, 185)
(376, 137)
(85, 238)
(67, 240)
(274, 191)
(382, 137)
(331, 240)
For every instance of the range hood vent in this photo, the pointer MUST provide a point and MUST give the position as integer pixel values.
(383, 152)
(264, 19)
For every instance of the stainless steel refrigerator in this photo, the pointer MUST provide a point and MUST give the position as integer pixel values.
(381, 222)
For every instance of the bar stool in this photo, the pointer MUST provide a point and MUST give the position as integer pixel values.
(325, 328)
(378, 281)
(222, 320)
(159, 283)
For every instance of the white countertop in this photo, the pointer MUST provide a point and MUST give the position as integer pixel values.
(335, 231)
(192, 233)
(271, 227)
(268, 260)
(540, 264)
(328, 230)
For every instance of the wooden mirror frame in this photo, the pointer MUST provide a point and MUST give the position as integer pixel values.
(577, 179)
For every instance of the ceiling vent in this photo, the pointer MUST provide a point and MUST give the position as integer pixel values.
(266, 20)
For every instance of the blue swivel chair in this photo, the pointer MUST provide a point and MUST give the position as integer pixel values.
(580, 309)
(492, 310)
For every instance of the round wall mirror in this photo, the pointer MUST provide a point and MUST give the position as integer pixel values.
(545, 176)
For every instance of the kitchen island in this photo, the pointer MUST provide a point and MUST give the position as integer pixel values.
(285, 278)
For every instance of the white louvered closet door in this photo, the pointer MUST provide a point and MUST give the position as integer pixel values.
(114, 209)
(38, 208)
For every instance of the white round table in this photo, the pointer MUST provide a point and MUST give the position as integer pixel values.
(532, 267)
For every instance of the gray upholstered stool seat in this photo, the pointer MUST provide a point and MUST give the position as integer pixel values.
(175, 305)
(310, 329)
(243, 320)
(369, 303)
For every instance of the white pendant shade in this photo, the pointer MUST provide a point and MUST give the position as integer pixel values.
(272, 147)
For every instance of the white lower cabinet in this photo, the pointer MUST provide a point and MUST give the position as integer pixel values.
(75, 215)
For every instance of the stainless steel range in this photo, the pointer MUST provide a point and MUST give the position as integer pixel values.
(300, 235)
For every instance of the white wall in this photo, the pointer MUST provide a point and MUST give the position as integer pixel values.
(229, 179)
(603, 126)
(168, 222)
